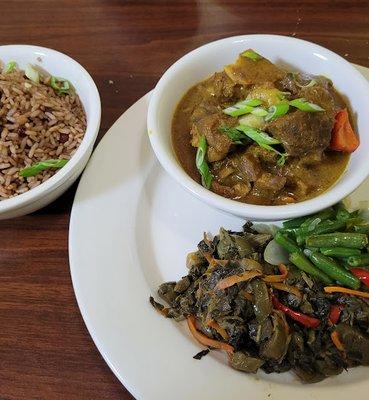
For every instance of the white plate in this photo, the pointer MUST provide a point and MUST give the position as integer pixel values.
(131, 228)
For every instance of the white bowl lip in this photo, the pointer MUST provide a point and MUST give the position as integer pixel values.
(89, 138)
(257, 212)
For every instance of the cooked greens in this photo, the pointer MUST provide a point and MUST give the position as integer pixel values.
(276, 318)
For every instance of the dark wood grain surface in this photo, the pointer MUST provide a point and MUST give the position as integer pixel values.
(45, 349)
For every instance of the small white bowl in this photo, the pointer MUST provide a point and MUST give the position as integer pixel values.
(57, 64)
(294, 54)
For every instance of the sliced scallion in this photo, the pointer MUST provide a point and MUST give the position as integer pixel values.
(303, 105)
(259, 112)
(242, 107)
(41, 166)
(277, 111)
(242, 132)
(258, 136)
(252, 55)
(249, 102)
(234, 134)
(10, 67)
(60, 85)
(201, 163)
(32, 74)
(236, 111)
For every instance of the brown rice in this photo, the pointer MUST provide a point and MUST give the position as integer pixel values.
(36, 124)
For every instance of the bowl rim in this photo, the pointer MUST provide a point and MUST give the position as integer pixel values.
(88, 140)
(258, 212)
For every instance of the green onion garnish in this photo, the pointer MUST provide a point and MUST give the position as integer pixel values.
(41, 166)
(277, 111)
(259, 112)
(249, 102)
(60, 85)
(252, 55)
(235, 111)
(201, 163)
(242, 107)
(10, 67)
(242, 132)
(303, 105)
(282, 158)
(32, 74)
(258, 136)
(234, 134)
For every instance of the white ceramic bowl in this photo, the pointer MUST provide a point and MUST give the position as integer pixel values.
(294, 54)
(57, 64)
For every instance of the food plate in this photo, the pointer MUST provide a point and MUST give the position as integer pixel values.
(131, 228)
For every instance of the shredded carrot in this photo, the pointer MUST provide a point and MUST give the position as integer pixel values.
(213, 261)
(277, 278)
(336, 341)
(204, 340)
(283, 269)
(343, 137)
(339, 289)
(210, 259)
(222, 332)
(233, 279)
(248, 296)
(287, 288)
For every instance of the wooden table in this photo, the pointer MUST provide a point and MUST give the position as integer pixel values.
(45, 349)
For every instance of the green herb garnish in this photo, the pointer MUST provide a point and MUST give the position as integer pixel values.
(259, 112)
(303, 105)
(32, 74)
(252, 55)
(60, 85)
(242, 107)
(41, 166)
(202, 165)
(10, 67)
(277, 111)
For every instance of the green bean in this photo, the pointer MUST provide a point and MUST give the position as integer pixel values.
(288, 231)
(339, 251)
(297, 222)
(333, 269)
(325, 227)
(338, 239)
(300, 239)
(341, 212)
(287, 243)
(294, 223)
(305, 265)
(362, 228)
(345, 264)
(359, 261)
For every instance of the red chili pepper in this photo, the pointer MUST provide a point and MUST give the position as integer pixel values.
(362, 274)
(335, 313)
(304, 319)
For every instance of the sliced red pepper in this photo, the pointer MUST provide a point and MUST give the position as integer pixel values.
(306, 320)
(362, 274)
(335, 313)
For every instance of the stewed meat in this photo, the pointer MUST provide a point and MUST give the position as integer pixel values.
(268, 134)
(301, 132)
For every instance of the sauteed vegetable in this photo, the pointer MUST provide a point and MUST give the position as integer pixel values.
(309, 315)
(259, 134)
